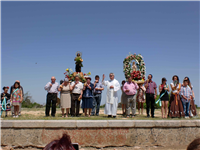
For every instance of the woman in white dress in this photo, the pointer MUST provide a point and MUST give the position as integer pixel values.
(65, 97)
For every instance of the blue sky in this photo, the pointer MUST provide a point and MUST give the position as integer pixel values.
(50, 33)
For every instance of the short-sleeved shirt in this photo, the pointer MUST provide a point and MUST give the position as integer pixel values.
(151, 87)
(78, 88)
(186, 91)
(98, 85)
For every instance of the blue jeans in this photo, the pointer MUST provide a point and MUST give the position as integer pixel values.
(186, 106)
(96, 102)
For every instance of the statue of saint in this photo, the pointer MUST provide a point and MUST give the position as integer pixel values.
(78, 61)
(134, 67)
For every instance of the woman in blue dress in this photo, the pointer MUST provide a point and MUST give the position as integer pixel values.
(87, 100)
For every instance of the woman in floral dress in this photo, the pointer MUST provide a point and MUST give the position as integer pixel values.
(141, 97)
(16, 98)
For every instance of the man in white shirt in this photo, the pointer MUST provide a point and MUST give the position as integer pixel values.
(52, 88)
(77, 92)
(112, 98)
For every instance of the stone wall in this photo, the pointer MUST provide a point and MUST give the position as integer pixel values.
(101, 133)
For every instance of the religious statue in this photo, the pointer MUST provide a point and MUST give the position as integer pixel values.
(134, 67)
(78, 62)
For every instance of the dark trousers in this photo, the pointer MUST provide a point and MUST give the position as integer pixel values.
(96, 104)
(51, 100)
(75, 103)
(150, 98)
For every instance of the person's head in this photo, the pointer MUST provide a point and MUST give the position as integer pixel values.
(150, 76)
(17, 85)
(112, 76)
(66, 81)
(17, 81)
(194, 145)
(78, 55)
(5, 88)
(97, 77)
(188, 79)
(76, 78)
(129, 79)
(123, 82)
(64, 143)
(88, 79)
(164, 80)
(53, 79)
(175, 78)
(185, 82)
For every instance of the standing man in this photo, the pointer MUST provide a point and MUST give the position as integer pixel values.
(130, 88)
(20, 105)
(112, 98)
(98, 88)
(52, 88)
(151, 93)
(77, 92)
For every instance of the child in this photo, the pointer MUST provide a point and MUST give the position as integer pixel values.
(6, 96)
(16, 98)
(186, 94)
(141, 98)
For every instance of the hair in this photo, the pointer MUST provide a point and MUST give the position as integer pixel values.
(177, 78)
(5, 87)
(151, 75)
(185, 81)
(163, 79)
(194, 145)
(18, 84)
(97, 76)
(112, 74)
(61, 81)
(78, 54)
(189, 83)
(64, 143)
(123, 82)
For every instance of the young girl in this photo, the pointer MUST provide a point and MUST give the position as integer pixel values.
(16, 98)
(5, 95)
(141, 97)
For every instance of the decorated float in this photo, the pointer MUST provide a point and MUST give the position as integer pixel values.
(134, 66)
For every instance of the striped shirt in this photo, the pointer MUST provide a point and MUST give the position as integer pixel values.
(151, 87)
(186, 91)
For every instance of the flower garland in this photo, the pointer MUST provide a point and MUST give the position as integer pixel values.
(137, 75)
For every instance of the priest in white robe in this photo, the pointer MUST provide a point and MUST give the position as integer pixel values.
(112, 98)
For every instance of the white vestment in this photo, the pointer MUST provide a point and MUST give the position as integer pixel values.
(112, 97)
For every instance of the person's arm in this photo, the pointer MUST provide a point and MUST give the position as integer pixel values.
(193, 94)
(73, 85)
(92, 87)
(2, 96)
(70, 87)
(136, 86)
(160, 88)
(155, 93)
(21, 96)
(47, 86)
(146, 84)
(8, 96)
(116, 86)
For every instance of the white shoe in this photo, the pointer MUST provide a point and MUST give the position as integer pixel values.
(14, 116)
(17, 116)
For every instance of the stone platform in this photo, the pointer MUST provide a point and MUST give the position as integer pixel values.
(101, 133)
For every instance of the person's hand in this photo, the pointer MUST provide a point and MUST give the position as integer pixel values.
(2, 98)
(80, 96)
(21, 100)
(50, 85)
(111, 87)
(154, 96)
(127, 90)
(96, 88)
(96, 81)
(88, 85)
(104, 76)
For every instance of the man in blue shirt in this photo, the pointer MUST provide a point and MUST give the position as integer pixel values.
(98, 88)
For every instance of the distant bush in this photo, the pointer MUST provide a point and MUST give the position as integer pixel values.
(29, 103)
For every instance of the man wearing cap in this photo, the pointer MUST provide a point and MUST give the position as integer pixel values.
(77, 92)
(52, 89)
(20, 105)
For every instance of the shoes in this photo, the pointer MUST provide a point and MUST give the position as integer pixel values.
(46, 116)
(19, 114)
(16, 116)
(152, 116)
(148, 116)
(114, 116)
(97, 114)
(77, 115)
(52, 116)
(72, 115)
(92, 114)
(109, 116)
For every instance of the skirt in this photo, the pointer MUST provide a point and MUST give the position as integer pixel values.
(65, 100)
(165, 97)
(176, 109)
(87, 102)
(124, 99)
(15, 102)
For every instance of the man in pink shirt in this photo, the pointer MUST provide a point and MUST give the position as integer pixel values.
(130, 88)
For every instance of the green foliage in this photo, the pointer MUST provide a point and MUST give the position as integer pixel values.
(29, 103)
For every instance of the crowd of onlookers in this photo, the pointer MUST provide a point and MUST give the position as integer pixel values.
(88, 96)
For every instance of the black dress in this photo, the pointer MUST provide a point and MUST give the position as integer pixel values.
(165, 97)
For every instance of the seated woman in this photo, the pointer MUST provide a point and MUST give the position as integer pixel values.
(87, 98)
(5, 95)
(176, 107)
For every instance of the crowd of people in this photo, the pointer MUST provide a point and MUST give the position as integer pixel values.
(181, 98)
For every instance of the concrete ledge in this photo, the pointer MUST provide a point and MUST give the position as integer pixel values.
(98, 123)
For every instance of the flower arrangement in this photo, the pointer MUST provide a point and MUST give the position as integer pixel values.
(71, 75)
(138, 75)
